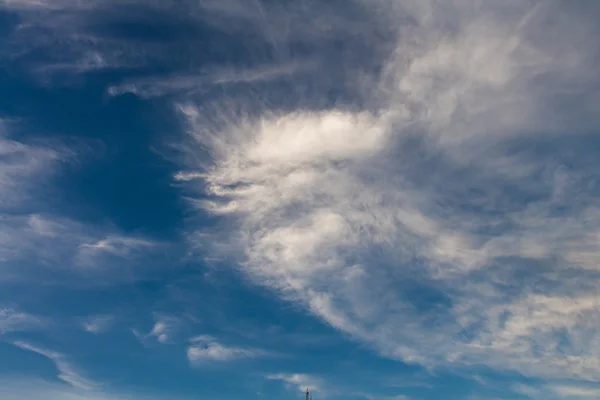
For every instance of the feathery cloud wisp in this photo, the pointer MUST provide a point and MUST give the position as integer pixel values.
(206, 348)
(98, 324)
(31, 236)
(66, 371)
(12, 320)
(446, 224)
(301, 382)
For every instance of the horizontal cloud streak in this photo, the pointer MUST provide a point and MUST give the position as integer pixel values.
(12, 320)
(192, 84)
(301, 382)
(205, 348)
(17, 389)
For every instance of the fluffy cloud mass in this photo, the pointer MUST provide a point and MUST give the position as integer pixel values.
(450, 220)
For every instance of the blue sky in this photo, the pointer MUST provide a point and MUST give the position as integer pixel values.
(237, 199)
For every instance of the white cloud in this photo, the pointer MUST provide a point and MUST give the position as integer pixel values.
(165, 329)
(78, 38)
(66, 371)
(22, 166)
(54, 5)
(559, 391)
(12, 320)
(456, 224)
(98, 323)
(32, 237)
(160, 330)
(575, 392)
(206, 348)
(116, 246)
(300, 382)
(397, 397)
(17, 388)
(193, 83)
(63, 27)
(50, 242)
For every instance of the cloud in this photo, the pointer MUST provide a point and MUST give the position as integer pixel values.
(578, 392)
(396, 397)
(113, 246)
(442, 208)
(18, 388)
(12, 320)
(98, 324)
(206, 348)
(34, 243)
(452, 220)
(194, 83)
(79, 38)
(22, 167)
(32, 238)
(74, 37)
(66, 371)
(164, 328)
(301, 382)
(559, 391)
(160, 330)
(45, 4)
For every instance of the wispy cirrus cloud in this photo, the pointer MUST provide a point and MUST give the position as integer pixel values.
(451, 221)
(79, 38)
(557, 391)
(12, 320)
(205, 348)
(166, 329)
(575, 392)
(196, 83)
(30, 236)
(396, 397)
(123, 247)
(67, 372)
(446, 217)
(98, 323)
(71, 38)
(53, 242)
(18, 388)
(300, 382)
(23, 167)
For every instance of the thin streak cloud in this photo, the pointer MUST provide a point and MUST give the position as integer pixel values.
(206, 348)
(66, 371)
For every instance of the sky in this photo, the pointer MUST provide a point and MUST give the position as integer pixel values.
(240, 199)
